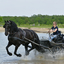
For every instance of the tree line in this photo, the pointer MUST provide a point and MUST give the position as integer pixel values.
(35, 19)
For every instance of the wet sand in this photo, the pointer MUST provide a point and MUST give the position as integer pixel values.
(38, 30)
(2, 29)
(37, 62)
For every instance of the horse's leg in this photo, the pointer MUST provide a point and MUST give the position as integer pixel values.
(9, 44)
(15, 52)
(26, 49)
(31, 48)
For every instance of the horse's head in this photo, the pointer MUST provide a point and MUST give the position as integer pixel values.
(7, 26)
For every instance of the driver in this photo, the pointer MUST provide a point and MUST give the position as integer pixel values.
(54, 29)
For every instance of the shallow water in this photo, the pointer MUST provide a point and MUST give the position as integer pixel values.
(34, 57)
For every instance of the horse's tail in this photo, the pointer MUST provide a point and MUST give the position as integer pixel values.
(39, 48)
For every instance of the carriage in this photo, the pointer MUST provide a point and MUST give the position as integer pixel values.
(56, 44)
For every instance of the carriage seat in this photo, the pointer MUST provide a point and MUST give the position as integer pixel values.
(59, 32)
(59, 36)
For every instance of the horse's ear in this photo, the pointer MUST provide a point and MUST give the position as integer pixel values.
(10, 22)
(5, 21)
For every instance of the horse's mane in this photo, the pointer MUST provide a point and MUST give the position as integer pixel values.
(13, 27)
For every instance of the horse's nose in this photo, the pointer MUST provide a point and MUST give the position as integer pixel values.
(4, 26)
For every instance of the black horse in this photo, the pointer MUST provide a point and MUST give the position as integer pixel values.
(15, 34)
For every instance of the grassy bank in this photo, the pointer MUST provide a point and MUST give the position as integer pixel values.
(41, 26)
(37, 26)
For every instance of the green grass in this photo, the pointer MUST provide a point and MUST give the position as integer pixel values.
(42, 26)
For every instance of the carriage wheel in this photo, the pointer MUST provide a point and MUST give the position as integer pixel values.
(55, 49)
(63, 46)
(58, 48)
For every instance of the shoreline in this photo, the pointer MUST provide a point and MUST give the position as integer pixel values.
(37, 30)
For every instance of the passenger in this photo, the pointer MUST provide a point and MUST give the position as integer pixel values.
(55, 31)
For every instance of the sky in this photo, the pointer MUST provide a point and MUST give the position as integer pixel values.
(31, 7)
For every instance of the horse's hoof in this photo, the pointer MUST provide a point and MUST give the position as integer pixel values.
(53, 56)
(19, 55)
(27, 53)
(10, 54)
